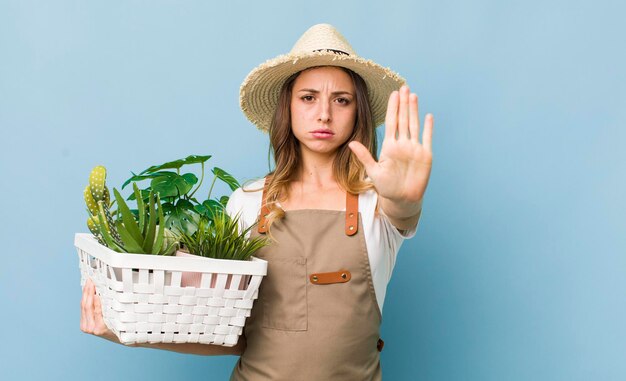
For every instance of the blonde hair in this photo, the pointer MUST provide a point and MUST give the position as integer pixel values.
(347, 169)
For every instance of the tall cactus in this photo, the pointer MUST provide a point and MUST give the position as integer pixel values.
(97, 179)
(97, 193)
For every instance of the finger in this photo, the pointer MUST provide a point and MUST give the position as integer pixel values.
(391, 118)
(97, 306)
(427, 137)
(100, 326)
(89, 310)
(364, 156)
(83, 321)
(83, 305)
(403, 113)
(414, 119)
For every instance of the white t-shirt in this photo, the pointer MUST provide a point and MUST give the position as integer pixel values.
(383, 240)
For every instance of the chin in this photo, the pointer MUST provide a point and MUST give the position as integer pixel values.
(322, 148)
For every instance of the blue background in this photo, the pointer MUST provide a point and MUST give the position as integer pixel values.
(518, 269)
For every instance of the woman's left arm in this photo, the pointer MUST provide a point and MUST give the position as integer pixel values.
(401, 174)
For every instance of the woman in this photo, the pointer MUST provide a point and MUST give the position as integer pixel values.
(336, 216)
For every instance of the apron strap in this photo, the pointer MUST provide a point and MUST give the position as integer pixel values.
(352, 212)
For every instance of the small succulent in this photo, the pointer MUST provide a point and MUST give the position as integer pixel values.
(146, 235)
(222, 238)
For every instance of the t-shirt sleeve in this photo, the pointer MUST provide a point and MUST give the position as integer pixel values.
(234, 205)
(383, 241)
(245, 205)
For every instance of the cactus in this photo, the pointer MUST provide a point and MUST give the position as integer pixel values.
(105, 220)
(96, 191)
(92, 204)
(93, 225)
(126, 234)
(97, 180)
(96, 194)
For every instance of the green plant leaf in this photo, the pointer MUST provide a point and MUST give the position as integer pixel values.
(224, 200)
(136, 178)
(226, 177)
(169, 250)
(144, 195)
(196, 159)
(127, 218)
(104, 230)
(130, 244)
(156, 249)
(201, 209)
(168, 208)
(185, 204)
(182, 218)
(212, 207)
(141, 210)
(190, 178)
(176, 164)
(168, 186)
(222, 238)
(148, 242)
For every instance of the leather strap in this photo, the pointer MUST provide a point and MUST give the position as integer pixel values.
(341, 276)
(352, 213)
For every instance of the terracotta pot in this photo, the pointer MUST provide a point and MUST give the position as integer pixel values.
(194, 279)
(191, 279)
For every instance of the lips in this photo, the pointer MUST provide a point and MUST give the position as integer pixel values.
(323, 131)
(322, 134)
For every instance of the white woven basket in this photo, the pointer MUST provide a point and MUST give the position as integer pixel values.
(145, 299)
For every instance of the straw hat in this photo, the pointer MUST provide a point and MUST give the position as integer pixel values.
(320, 45)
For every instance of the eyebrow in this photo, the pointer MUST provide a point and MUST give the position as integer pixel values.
(317, 92)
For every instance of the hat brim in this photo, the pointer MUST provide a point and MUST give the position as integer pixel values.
(259, 92)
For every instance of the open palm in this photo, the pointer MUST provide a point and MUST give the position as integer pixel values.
(404, 165)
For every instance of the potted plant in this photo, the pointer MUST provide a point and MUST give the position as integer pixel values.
(181, 206)
(218, 237)
(147, 298)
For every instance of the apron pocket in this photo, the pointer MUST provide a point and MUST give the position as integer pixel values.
(284, 294)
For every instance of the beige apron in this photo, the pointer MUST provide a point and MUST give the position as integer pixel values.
(317, 317)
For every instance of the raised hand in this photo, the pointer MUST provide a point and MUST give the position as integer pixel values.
(403, 168)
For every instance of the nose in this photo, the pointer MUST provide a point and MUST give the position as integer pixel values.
(324, 112)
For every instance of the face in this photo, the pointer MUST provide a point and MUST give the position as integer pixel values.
(323, 109)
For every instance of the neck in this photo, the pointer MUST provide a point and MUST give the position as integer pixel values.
(317, 170)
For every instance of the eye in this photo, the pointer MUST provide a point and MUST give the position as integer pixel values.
(307, 98)
(343, 101)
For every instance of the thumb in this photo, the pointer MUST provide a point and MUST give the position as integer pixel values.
(363, 154)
